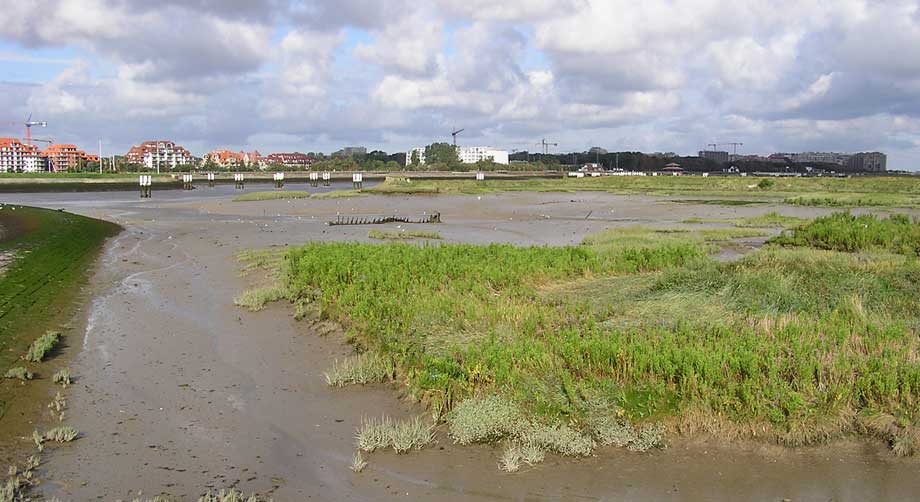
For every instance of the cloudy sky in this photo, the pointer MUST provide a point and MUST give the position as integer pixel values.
(316, 75)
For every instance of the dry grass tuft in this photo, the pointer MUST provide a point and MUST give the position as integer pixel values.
(361, 369)
(256, 299)
(401, 435)
(62, 377)
(64, 434)
(357, 462)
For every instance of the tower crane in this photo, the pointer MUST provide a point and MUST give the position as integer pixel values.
(454, 134)
(546, 145)
(29, 123)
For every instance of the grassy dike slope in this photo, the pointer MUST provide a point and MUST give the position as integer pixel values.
(808, 339)
(53, 253)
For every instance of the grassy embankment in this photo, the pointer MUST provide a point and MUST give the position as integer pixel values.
(293, 194)
(828, 192)
(806, 340)
(53, 253)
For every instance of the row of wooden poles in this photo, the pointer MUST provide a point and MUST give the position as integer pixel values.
(145, 181)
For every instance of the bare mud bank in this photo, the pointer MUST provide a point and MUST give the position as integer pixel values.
(179, 390)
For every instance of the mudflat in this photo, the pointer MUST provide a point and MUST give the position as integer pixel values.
(178, 390)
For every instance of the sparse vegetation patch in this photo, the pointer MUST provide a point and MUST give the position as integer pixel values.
(42, 346)
(18, 373)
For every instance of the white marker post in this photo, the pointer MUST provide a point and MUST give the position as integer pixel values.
(279, 180)
(211, 180)
(187, 182)
(480, 176)
(326, 178)
(314, 179)
(145, 181)
(357, 179)
(239, 180)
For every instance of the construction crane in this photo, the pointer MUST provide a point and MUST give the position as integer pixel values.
(454, 134)
(29, 123)
(546, 146)
(733, 145)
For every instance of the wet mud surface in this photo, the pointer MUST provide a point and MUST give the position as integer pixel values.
(178, 390)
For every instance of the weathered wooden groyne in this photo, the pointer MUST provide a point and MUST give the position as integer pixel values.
(380, 220)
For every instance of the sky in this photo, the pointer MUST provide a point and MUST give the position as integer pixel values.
(317, 75)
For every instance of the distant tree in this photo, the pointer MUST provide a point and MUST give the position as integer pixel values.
(415, 159)
(441, 153)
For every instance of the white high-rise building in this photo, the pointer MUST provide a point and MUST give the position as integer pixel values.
(466, 154)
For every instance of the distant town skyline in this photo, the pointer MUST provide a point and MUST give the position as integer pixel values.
(277, 76)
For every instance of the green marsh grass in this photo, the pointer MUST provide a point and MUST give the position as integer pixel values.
(19, 373)
(42, 346)
(849, 233)
(402, 235)
(788, 344)
(768, 220)
(278, 195)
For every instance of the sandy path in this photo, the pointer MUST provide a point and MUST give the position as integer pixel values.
(179, 390)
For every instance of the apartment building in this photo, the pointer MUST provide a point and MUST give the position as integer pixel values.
(17, 157)
(466, 154)
(840, 159)
(228, 159)
(719, 156)
(875, 162)
(159, 154)
(294, 160)
(62, 158)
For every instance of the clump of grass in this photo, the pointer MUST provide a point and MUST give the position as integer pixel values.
(18, 373)
(510, 459)
(402, 235)
(357, 462)
(63, 434)
(41, 346)
(230, 495)
(559, 438)
(484, 420)
(411, 434)
(374, 434)
(401, 435)
(39, 440)
(360, 369)
(648, 437)
(849, 233)
(769, 220)
(256, 299)
(62, 377)
(57, 406)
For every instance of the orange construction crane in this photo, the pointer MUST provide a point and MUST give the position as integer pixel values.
(28, 123)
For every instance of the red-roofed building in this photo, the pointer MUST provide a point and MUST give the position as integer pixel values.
(159, 154)
(63, 157)
(295, 160)
(228, 159)
(18, 157)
